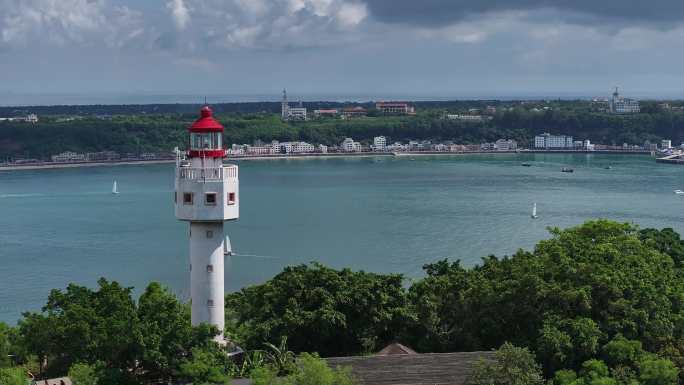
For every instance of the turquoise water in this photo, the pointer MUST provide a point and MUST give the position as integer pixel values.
(379, 214)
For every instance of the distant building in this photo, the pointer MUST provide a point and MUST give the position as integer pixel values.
(349, 145)
(291, 147)
(291, 113)
(665, 144)
(490, 110)
(548, 141)
(488, 146)
(329, 112)
(297, 113)
(397, 147)
(322, 148)
(102, 155)
(379, 143)
(506, 145)
(68, 156)
(395, 108)
(466, 118)
(258, 150)
(620, 105)
(284, 107)
(30, 118)
(354, 112)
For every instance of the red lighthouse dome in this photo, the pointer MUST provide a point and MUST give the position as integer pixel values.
(206, 136)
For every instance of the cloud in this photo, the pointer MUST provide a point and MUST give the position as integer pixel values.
(444, 12)
(179, 12)
(275, 24)
(67, 22)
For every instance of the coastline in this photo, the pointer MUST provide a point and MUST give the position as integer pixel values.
(52, 166)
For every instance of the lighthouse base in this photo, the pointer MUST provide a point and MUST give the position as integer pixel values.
(207, 275)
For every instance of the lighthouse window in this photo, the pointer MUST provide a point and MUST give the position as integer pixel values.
(210, 302)
(231, 198)
(205, 141)
(210, 268)
(210, 199)
(187, 198)
(210, 234)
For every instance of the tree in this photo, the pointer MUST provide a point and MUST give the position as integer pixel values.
(351, 312)
(564, 300)
(168, 335)
(511, 366)
(5, 345)
(206, 366)
(13, 376)
(315, 371)
(84, 374)
(655, 371)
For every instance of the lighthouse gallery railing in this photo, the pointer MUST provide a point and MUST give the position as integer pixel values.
(208, 174)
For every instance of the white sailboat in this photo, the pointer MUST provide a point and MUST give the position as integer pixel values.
(227, 247)
(115, 190)
(534, 211)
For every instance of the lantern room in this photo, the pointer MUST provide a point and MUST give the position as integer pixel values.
(206, 136)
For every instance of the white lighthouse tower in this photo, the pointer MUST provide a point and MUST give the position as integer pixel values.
(206, 195)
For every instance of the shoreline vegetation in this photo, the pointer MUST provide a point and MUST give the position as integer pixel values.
(599, 303)
(59, 165)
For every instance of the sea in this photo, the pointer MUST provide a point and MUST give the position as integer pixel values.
(381, 214)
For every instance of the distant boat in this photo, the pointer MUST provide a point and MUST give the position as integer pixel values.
(679, 192)
(608, 167)
(527, 165)
(534, 211)
(227, 247)
(115, 190)
(565, 169)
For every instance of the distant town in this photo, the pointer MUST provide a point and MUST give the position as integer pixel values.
(297, 114)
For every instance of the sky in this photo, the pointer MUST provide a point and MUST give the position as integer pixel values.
(61, 51)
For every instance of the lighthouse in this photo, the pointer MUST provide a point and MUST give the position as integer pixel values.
(206, 195)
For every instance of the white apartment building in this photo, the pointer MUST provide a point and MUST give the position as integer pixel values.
(506, 145)
(69, 156)
(258, 150)
(548, 141)
(349, 145)
(291, 147)
(379, 143)
(322, 148)
(664, 144)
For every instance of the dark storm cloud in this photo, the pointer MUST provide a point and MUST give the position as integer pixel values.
(440, 12)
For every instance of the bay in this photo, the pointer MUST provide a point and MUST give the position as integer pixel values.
(382, 214)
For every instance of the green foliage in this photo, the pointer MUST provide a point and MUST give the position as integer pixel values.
(574, 293)
(147, 341)
(511, 366)
(13, 376)
(321, 309)
(280, 357)
(621, 351)
(84, 374)
(315, 371)
(264, 376)
(658, 372)
(205, 367)
(5, 345)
